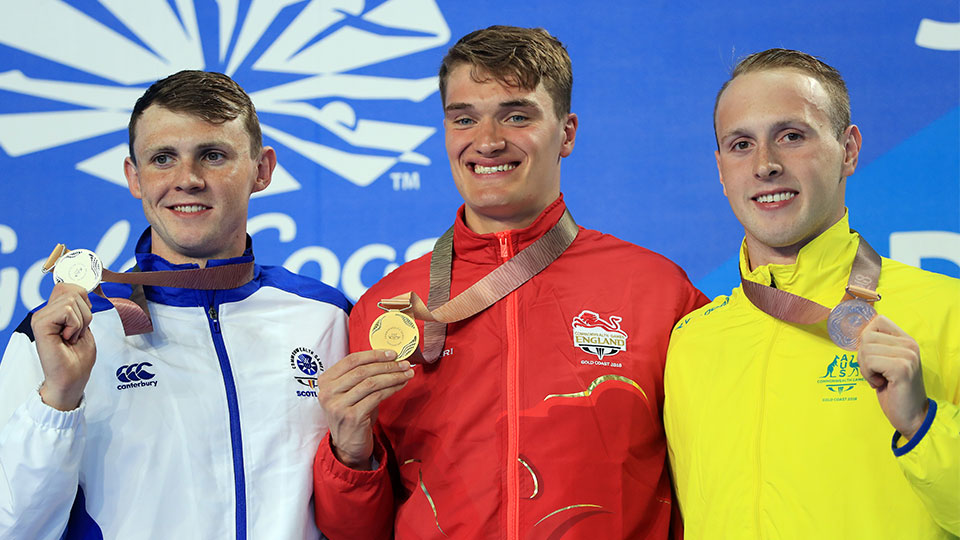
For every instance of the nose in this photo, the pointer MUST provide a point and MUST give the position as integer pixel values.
(190, 177)
(489, 139)
(767, 164)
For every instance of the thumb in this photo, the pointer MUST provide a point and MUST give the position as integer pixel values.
(883, 325)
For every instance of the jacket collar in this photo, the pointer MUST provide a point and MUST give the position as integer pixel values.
(822, 268)
(485, 248)
(148, 262)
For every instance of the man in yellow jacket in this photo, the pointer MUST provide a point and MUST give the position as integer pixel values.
(774, 430)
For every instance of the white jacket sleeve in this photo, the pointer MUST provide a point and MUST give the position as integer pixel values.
(40, 450)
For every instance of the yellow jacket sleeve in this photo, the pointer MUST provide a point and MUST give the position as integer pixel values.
(931, 462)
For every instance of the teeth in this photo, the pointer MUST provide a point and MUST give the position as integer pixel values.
(480, 169)
(776, 197)
(189, 208)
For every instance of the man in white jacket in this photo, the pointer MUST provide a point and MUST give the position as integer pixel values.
(206, 426)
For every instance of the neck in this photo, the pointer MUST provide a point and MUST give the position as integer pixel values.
(762, 255)
(159, 248)
(488, 220)
(177, 258)
(482, 225)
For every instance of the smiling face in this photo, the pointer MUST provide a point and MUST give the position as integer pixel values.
(195, 179)
(504, 144)
(781, 165)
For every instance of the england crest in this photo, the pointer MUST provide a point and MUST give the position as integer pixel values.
(594, 335)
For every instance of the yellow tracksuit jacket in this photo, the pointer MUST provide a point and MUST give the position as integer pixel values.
(772, 431)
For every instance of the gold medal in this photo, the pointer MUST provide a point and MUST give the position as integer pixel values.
(395, 331)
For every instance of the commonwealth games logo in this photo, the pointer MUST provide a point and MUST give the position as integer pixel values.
(841, 375)
(597, 336)
(306, 366)
(300, 61)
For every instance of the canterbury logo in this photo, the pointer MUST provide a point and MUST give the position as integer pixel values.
(134, 372)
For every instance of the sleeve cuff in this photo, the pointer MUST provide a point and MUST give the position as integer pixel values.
(927, 421)
(338, 470)
(46, 416)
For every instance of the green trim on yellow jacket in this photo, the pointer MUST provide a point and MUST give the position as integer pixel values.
(774, 434)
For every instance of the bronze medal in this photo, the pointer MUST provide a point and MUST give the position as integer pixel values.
(395, 331)
(847, 320)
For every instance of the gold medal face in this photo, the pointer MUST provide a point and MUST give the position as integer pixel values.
(395, 331)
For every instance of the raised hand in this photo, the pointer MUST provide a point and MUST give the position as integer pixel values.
(350, 392)
(65, 345)
(890, 362)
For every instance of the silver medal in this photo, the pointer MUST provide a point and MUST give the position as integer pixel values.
(79, 267)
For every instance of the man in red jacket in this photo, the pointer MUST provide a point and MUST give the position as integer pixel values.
(542, 416)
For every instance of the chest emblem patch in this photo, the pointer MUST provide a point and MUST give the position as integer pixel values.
(306, 366)
(599, 337)
(841, 376)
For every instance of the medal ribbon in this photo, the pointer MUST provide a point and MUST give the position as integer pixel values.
(133, 311)
(864, 277)
(442, 310)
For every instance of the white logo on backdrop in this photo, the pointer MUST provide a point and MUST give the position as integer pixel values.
(314, 54)
(324, 42)
(944, 36)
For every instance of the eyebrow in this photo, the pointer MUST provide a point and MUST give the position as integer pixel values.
(200, 147)
(458, 107)
(156, 150)
(513, 103)
(521, 103)
(778, 126)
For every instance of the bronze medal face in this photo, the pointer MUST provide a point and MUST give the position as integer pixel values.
(847, 321)
(395, 331)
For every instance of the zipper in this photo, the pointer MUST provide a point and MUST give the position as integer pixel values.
(777, 325)
(214, 318)
(233, 407)
(513, 399)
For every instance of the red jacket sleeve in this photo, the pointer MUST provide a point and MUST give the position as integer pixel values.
(352, 504)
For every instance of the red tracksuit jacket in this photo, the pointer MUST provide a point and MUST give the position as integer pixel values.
(542, 419)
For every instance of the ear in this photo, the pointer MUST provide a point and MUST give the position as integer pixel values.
(851, 149)
(133, 177)
(716, 154)
(569, 135)
(265, 166)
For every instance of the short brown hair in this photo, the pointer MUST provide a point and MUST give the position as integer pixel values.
(516, 56)
(211, 96)
(829, 77)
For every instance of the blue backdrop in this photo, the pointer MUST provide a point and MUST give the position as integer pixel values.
(347, 95)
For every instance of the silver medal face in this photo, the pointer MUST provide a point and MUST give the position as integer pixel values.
(79, 267)
(847, 320)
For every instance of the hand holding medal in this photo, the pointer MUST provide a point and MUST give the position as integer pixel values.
(890, 362)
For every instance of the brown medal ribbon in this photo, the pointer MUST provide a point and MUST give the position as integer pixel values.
(442, 310)
(133, 311)
(844, 322)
